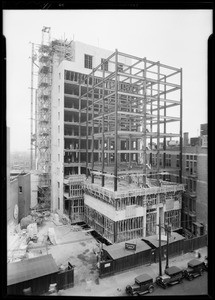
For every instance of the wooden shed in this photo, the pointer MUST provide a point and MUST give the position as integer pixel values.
(175, 245)
(123, 256)
(36, 273)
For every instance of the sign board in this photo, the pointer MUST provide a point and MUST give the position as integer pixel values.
(129, 246)
(107, 265)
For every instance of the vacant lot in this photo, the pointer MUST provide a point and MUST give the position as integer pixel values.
(71, 244)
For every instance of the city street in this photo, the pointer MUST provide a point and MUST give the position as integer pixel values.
(115, 285)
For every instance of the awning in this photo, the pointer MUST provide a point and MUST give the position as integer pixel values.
(30, 268)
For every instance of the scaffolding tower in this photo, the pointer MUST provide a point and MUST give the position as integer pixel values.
(44, 118)
(47, 53)
(128, 111)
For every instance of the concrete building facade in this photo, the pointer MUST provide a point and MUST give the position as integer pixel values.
(23, 192)
(68, 151)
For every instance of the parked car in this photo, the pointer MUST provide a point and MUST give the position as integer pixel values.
(143, 284)
(194, 269)
(173, 275)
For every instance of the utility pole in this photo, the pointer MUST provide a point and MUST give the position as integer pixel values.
(168, 229)
(160, 262)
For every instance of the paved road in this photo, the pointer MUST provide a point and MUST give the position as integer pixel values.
(198, 286)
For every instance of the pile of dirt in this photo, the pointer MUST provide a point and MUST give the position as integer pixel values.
(34, 217)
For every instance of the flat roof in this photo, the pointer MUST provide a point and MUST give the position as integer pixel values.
(172, 270)
(194, 262)
(118, 250)
(30, 268)
(143, 277)
(153, 239)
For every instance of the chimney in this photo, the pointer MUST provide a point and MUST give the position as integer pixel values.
(186, 139)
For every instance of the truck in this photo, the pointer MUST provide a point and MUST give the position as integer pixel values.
(173, 275)
(143, 284)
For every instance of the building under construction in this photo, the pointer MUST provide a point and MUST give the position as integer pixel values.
(103, 121)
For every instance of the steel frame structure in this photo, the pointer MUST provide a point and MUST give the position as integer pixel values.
(131, 103)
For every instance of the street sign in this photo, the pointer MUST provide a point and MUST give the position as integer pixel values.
(130, 246)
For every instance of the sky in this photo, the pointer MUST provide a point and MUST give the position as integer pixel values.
(174, 37)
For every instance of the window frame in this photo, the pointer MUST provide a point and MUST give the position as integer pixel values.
(88, 61)
(104, 65)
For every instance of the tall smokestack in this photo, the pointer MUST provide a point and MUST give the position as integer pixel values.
(186, 139)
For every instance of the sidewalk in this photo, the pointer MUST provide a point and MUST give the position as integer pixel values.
(115, 285)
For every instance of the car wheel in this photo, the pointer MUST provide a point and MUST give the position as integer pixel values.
(191, 277)
(151, 289)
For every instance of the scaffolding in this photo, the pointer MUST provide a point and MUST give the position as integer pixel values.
(46, 54)
(130, 102)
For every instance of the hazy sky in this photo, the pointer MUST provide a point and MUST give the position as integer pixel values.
(173, 37)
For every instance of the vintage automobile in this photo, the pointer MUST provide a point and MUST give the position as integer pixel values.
(194, 269)
(173, 275)
(143, 284)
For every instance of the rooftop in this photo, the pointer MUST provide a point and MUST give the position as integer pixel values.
(174, 237)
(30, 268)
(118, 250)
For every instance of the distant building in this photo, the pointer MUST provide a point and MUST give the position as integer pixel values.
(203, 129)
(204, 135)
(194, 175)
(195, 141)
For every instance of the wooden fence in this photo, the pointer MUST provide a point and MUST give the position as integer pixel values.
(195, 243)
(109, 266)
(65, 278)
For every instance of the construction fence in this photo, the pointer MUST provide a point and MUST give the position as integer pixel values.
(195, 243)
(110, 266)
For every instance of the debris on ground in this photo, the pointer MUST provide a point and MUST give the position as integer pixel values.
(26, 221)
(76, 228)
(32, 230)
(64, 219)
(66, 243)
(52, 236)
(56, 220)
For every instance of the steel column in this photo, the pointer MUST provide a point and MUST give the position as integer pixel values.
(116, 120)
(181, 139)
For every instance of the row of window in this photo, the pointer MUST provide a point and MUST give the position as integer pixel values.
(191, 157)
(88, 63)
